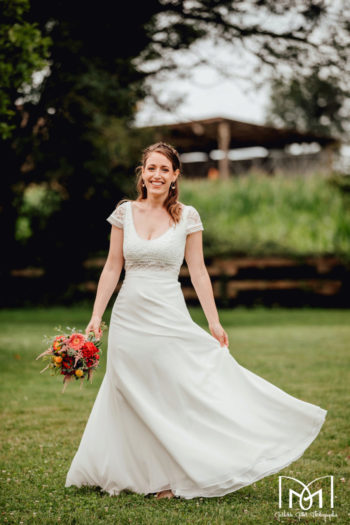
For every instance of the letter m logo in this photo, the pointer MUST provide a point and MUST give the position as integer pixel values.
(304, 497)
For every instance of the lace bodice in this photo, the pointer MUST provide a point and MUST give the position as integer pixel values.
(164, 253)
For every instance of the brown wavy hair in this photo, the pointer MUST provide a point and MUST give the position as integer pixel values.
(171, 204)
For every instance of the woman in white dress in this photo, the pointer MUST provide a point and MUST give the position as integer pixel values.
(176, 414)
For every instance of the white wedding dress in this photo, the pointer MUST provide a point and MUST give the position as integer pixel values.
(175, 410)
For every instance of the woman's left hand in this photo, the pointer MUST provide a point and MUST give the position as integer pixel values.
(219, 333)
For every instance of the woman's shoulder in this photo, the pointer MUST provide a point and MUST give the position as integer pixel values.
(190, 209)
(193, 219)
(117, 217)
(186, 207)
(190, 212)
(123, 203)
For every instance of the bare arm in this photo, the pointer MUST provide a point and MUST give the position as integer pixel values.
(202, 284)
(108, 279)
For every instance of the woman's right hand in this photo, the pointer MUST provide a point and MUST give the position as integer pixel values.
(94, 326)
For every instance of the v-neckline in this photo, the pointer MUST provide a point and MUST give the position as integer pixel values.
(154, 238)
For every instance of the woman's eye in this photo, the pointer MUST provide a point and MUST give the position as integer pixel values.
(166, 170)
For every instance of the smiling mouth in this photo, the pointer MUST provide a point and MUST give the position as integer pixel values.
(156, 183)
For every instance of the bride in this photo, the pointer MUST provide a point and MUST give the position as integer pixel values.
(176, 414)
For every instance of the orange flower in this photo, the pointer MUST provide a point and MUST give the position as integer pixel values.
(76, 341)
(57, 344)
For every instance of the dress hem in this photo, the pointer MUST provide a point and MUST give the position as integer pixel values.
(182, 492)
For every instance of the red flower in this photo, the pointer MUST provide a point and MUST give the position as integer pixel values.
(89, 349)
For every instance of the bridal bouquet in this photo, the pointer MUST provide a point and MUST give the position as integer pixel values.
(72, 354)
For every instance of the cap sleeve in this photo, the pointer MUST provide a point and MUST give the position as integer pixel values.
(118, 215)
(193, 223)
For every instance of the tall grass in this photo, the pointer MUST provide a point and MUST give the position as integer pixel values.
(262, 215)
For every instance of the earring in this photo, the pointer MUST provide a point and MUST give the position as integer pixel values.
(143, 184)
(173, 186)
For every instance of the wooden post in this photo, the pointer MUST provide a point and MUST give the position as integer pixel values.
(224, 139)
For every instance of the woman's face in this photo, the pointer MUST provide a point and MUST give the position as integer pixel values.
(158, 174)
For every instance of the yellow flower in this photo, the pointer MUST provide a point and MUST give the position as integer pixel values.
(79, 373)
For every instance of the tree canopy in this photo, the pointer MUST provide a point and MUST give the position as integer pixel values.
(23, 51)
(310, 103)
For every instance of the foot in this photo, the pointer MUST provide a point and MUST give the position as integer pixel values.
(165, 494)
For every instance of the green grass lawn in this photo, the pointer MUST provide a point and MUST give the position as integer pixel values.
(305, 352)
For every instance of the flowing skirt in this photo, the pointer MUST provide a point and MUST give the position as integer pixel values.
(175, 410)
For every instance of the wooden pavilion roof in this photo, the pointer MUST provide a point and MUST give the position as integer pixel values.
(202, 135)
